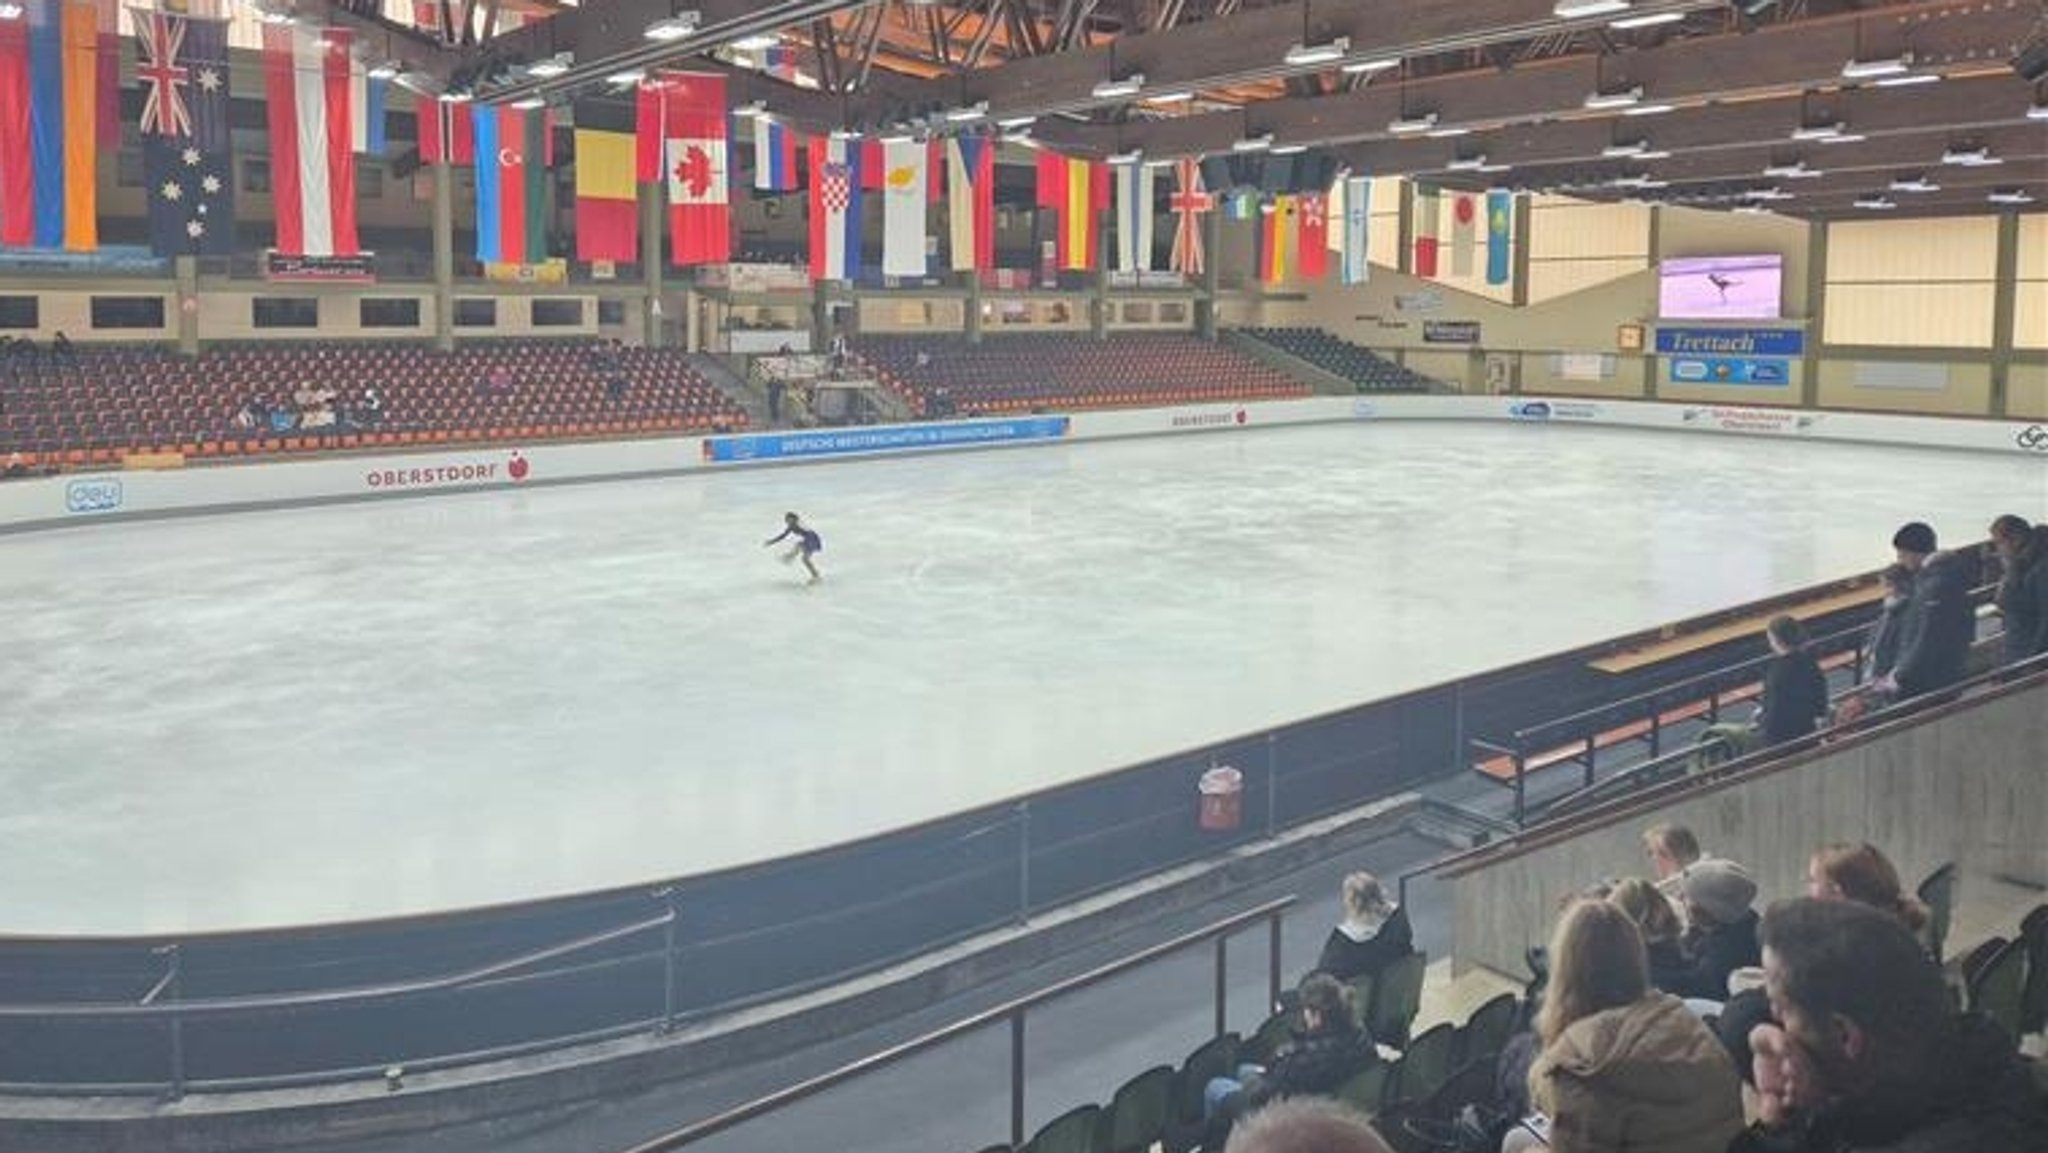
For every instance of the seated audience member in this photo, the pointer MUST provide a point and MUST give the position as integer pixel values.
(1720, 935)
(1669, 849)
(2023, 588)
(1623, 1068)
(245, 419)
(1658, 922)
(60, 345)
(1939, 623)
(1373, 934)
(370, 407)
(1884, 635)
(283, 419)
(1795, 690)
(1327, 1050)
(1306, 1125)
(1872, 1054)
(16, 465)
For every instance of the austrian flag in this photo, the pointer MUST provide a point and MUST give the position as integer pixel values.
(311, 100)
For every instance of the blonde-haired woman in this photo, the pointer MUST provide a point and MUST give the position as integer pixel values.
(1624, 1069)
(1373, 934)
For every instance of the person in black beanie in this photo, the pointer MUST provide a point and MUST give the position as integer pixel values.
(1939, 624)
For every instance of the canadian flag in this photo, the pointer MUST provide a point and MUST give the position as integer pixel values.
(682, 120)
(311, 102)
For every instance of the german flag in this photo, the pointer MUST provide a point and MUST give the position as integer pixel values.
(607, 199)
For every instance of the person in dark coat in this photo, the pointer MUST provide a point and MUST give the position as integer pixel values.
(1720, 934)
(1328, 1050)
(1795, 690)
(1662, 931)
(1939, 623)
(1884, 635)
(1872, 1055)
(2023, 590)
(1373, 934)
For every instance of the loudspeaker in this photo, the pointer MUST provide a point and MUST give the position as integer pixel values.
(1278, 175)
(2031, 62)
(1216, 174)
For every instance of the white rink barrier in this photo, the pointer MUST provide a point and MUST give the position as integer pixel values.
(76, 498)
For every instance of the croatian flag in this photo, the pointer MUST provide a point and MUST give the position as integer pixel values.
(1133, 218)
(312, 138)
(774, 156)
(835, 209)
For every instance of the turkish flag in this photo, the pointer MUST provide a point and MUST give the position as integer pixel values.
(682, 122)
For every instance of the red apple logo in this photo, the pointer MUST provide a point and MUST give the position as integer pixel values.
(1241, 417)
(518, 468)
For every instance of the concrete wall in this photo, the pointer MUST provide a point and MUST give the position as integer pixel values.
(1966, 787)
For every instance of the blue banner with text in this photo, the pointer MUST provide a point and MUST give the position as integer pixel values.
(1731, 341)
(895, 438)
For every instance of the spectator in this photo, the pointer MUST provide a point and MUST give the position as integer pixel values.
(1669, 848)
(2023, 588)
(1624, 1069)
(924, 359)
(282, 419)
(1884, 635)
(615, 388)
(1939, 624)
(60, 346)
(370, 407)
(1326, 1051)
(16, 466)
(775, 391)
(1720, 934)
(1306, 1125)
(942, 401)
(1795, 690)
(1658, 922)
(1872, 1053)
(247, 419)
(1373, 934)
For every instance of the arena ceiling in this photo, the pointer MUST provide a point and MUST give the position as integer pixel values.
(1806, 107)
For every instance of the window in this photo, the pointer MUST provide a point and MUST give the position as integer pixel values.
(1173, 312)
(19, 312)
(285, 311)
(128, 171)
(1138, 312)
(557, 313)
(255, 174)
(389, 311)
(369, 181)
(128, 312)
(474, 312)
(611, 311)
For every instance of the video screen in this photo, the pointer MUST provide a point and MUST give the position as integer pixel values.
(1720, 288)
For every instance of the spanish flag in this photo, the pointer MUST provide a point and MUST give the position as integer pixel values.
(50, 92)
(607, 200)
(1077, 193)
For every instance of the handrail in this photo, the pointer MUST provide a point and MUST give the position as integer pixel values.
(224, 1006)
(1011, 1010)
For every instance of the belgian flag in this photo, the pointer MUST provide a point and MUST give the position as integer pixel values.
(607, 199)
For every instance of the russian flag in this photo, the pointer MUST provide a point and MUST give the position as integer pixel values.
(774, 156)
(835, 209)
(312, 138)
(50, 90)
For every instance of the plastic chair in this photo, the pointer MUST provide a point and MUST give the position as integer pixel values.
(1995, 981)
(1137, 1113)
(1216, 1057)
(1366, 1091)
(1487, 1030)
(1266, 1041)
(2034, 999)
(1077, 1130)
(1397, 997)
(1938, 893)
(1427, 1062)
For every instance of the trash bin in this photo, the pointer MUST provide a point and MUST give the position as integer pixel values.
(1222, 792)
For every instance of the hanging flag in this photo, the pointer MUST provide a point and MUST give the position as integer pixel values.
(50, 126)
(971, 203)
(1499, 211)
(1075, 192)
(774, 156)
(835, 209)
(313, 161)
(1188, 203)
(511, 185)
(1133, 217)
(1464, 232)
(1241, 204)
(447, 131)
(1313, 215)
(780, 63)
(1425, 231)
(1276, 236)
(107, 102)
(366, 108)
(187, 154)
(1356, 231)
(691, 121)
(903, 204)
(607, 200)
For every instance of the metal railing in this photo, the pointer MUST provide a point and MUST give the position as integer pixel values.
(1012, 1013)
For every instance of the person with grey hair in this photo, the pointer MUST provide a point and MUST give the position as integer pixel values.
(1720, 932)
(1306, 1125)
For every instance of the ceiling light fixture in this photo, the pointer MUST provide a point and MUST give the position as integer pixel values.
(1877, 203)
(1649, 109)
(384, 71)
(1289, 149)
(1872, 69)
(1581, 9)
(1376, 64)
(1771, 193)
(2038, 112)
(1909, 79)
(1450, 133)
(1410, 125)
(548, 69)
(1132, 157)
(1310, 55)
(758, 42)
(1646, 20)
(844, 134)
(458, 96)
(1253, 143)
(1817, 131)
(669, 29)
(1653, 154)
(1915, 184)
(969, 113)
(1845, 138)
(1969, 157)
(1623, 98)
(1620, 151)
(1466, 164)
(1016, 121)
(2010, 196)
(529, 103)
(1119, 89)
(627, 76)
(1171, 98)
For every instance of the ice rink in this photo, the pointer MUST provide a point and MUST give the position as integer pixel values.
(391, 707)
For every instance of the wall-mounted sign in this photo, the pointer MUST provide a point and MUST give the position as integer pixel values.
(1450, 332)
(1706, 342)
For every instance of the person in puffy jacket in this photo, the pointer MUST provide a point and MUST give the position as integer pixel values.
(1939, 623)
(1623, 1069)
(2023, 590)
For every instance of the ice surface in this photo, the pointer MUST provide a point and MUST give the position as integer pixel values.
(389, 707)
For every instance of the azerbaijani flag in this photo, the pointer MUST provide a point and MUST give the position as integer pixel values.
(511, 185)
(50, 92)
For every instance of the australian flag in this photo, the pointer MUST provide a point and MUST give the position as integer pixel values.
(187, 152)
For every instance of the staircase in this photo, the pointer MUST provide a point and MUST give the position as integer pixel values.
(741, 393)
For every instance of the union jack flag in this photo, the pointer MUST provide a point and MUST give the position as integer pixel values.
(1188, 202)
(165, 111)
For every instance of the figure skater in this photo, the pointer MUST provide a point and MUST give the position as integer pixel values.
(807, 546)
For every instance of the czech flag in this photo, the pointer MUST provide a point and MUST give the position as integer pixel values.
(971, 203)
(512, 185)
(50, 123)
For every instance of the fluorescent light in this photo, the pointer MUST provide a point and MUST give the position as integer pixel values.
(1170, 98)
(1646, 20)
(1909, 79)
(1289, 149)
(1621, 99)
(11, 12)
(1448, 133)
(1466, 164)
(1752, 209)
(459, 96)
(1915, 184)
(758, 42)
(1377, 64)
(1410, 126)
(1872, 69)
(556, 65)
(1846, 138)
(1817, 131)
(1131, 157)
(1579, 9)
(627, 76)
(844, 134)
(1493, 168)
(1970, 157)
(2010, 196)
(1252, 143)
(384, 71)
(1798, 171)
(1772, 193)
(751, 109)
(528, 103)
(1020, 136)
(1876, 202)
(1016, 121)
(2038, 112)
(672, 28)
(1653, 154)
(1309, 55)
(1651, 182)
(1618, 151)
(1119, 89)
(1159, 162)
(895, 136)
(1649, 109)
(968, 113)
